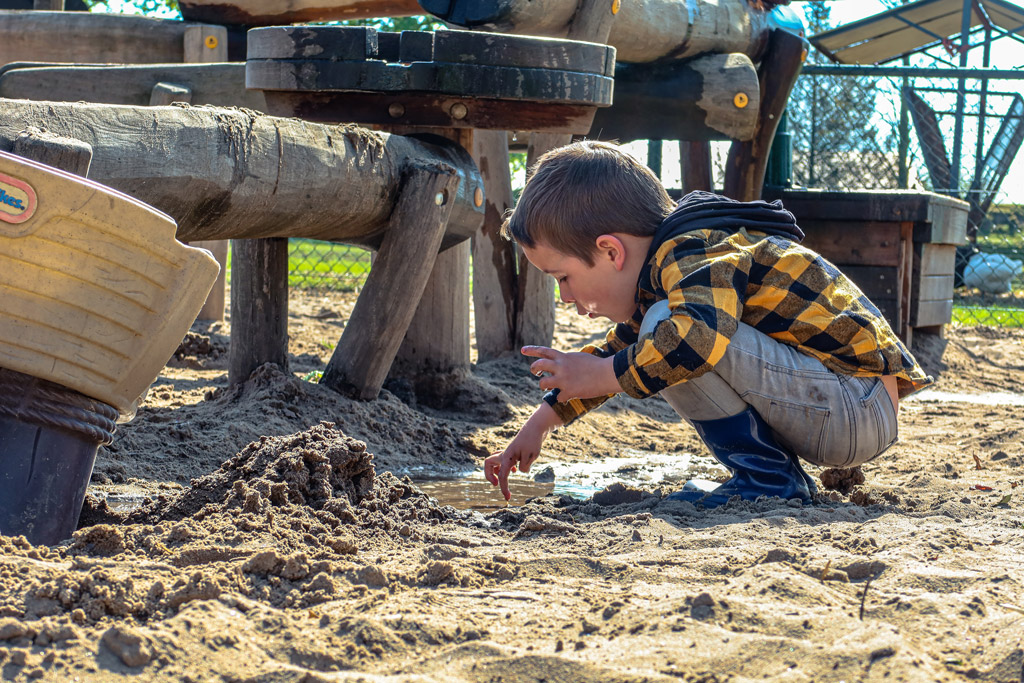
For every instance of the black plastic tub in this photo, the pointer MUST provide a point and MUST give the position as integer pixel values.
(49, 436)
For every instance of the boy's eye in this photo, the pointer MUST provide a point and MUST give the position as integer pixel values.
(563, 278)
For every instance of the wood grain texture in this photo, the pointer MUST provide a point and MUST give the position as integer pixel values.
(259, 312)
(228, 173)
(394, 288)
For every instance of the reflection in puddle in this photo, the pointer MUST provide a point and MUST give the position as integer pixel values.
(992, 398)
(581, 480)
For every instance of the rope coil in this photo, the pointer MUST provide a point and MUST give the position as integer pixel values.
(47, 404)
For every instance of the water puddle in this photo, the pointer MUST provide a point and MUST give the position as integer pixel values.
(471, 491)
(991, 398)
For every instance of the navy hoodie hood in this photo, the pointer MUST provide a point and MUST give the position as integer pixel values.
(700, 210)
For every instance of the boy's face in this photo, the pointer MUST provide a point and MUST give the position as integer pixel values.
(606, 289)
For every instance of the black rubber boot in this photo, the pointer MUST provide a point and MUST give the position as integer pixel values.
(761, 467)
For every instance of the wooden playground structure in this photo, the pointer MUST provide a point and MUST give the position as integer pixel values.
(261, 150)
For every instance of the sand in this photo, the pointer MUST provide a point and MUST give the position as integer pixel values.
(276, 538)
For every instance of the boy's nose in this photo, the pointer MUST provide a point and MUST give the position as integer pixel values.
(564, 295)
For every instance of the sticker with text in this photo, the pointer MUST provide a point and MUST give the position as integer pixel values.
(17, 200)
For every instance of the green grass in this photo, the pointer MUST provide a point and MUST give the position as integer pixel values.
(323, 265)
(991, 316)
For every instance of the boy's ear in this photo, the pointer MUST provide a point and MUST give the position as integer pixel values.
(612, 248)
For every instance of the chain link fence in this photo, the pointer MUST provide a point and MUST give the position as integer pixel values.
(869, 133)
(326, 266)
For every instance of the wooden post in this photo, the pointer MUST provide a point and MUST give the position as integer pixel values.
(259, 311)
(695, 166)
(748, 160)
(494, 274)
(67, 154)
(48, 5)
(205, 44)
(536, 292)
(396, 283)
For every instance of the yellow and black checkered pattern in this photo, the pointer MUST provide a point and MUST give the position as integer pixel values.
(713, 279)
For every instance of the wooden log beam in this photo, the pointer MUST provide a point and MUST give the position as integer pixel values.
(748, 160)
(715, 97)
(67, 154)
(91, 38)
(643, 31)
(231, 174)
(280, 12)
(221, 84)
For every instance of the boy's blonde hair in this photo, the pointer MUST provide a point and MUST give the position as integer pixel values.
(582, 191)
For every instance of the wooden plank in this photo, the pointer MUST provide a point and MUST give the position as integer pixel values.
(878, 282)
(48, 5)
(395, 285)
(947, 222)
(934, 288)
(854, 243)
(931, 313)
(430, 111)
(204, 44)
(259, 312)
(230, 173)
(871, 205)
(89, 38)
(935, 259)
(221, 84)
(494, 258)
(708, 98)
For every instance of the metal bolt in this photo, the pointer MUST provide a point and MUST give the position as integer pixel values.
(396, 110)
(616, 4)
(740, 100)
(458, 111)
(439, 198)
(211, 42)
(478, 196)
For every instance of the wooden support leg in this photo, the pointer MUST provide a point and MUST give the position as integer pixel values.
(395, 285)
(259, 306)
(494, 277)
(695, 165)
(535, 302)
(748, 161)
(213, 309)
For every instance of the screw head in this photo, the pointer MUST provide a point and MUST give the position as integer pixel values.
(458, 111)
(741, 100)
(211, 42)
(396, 110)
(439, 198)
(616, 6)
(478, 196)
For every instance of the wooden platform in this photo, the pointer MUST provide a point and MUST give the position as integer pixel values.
(898, 246)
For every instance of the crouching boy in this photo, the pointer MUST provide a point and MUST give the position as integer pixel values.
(766, 348)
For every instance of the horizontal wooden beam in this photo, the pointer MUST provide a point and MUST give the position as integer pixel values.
(716, 97)
(641, 32)
(220, 84)
(231, 173)
(90, 38)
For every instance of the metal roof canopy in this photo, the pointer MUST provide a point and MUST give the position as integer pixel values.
(913, 27)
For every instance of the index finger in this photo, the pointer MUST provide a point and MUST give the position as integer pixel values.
(503, 473)
(539, 352)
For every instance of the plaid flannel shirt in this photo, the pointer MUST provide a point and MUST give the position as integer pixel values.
(713, 279)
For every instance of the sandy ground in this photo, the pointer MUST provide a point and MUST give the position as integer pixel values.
(275, 542)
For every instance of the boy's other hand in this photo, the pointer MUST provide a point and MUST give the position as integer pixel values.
(523, 450)
(575, 374)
